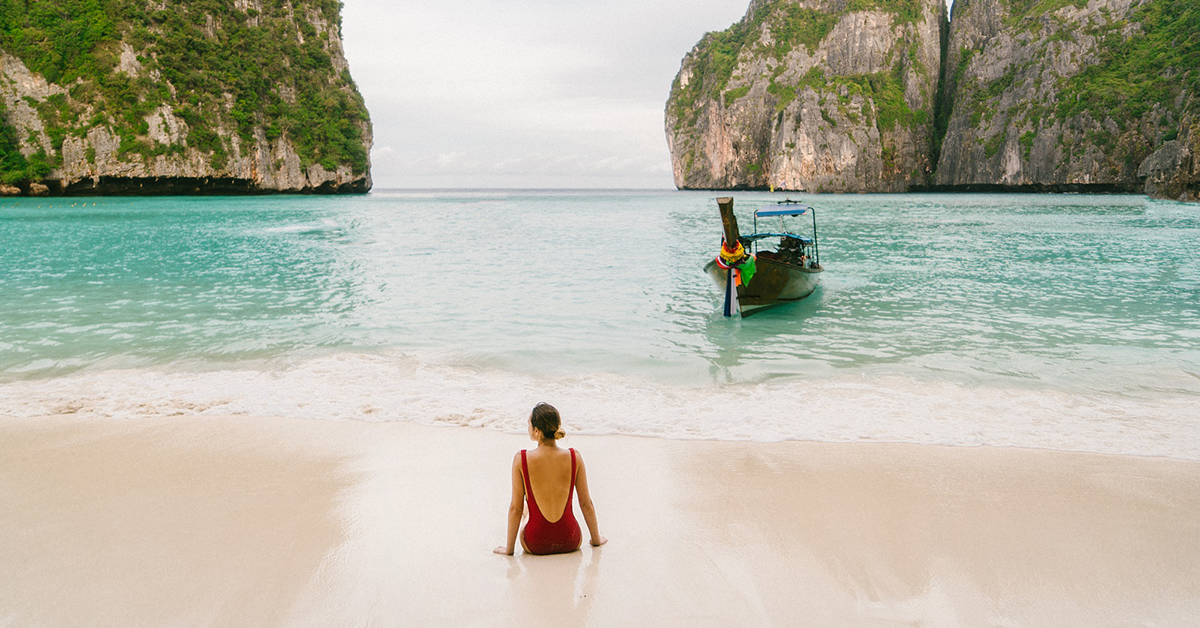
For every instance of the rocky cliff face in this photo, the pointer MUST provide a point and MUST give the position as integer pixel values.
(820, 95)
(837, 95)
(190, 97)
(1173, 171)
(1070, 94)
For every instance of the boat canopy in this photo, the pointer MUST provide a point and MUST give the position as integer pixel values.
(776, 210)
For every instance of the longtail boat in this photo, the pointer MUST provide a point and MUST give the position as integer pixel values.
(754, 279)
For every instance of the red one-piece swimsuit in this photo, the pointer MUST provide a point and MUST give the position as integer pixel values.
(546, 537)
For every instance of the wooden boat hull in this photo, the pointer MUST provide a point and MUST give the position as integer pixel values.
(774, 284)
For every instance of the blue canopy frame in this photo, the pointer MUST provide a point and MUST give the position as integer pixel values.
(788, 208)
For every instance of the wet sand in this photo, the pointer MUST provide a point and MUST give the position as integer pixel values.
(260, 521)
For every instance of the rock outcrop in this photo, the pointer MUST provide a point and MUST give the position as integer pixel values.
(1035, 95)
(1173, 171)
(820, 95)
(191, 98)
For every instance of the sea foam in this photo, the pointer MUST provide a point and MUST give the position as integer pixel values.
(430, 390)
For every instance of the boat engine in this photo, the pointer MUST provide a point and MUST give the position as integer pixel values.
(792, 250)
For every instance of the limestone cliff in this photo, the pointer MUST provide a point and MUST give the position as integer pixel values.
(837, 95)
(178, 97)
(820, 95)
(1072, 95)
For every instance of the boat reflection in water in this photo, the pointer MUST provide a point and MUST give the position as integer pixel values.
(754, 279)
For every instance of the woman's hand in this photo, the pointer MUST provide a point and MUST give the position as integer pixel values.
(598, 542)
(504, 551)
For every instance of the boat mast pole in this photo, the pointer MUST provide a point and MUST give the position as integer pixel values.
(728, 220)
(816, 243)
(733, 292)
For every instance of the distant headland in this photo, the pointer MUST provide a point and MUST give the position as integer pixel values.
(891, 96)
(189, 97)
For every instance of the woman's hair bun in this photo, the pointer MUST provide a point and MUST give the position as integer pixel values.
(545, 418)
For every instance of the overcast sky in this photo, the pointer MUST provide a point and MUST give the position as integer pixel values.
(523, 93)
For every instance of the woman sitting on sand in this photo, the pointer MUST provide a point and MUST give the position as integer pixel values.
(555, 474)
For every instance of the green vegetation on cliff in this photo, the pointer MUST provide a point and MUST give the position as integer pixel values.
(907, 11)
(715, 59)
(218, 67)
(884, 89)
(14, 167)
(794, 26)
(1153, 68)
(1020, 10)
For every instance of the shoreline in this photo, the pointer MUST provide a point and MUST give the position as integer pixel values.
(121, 186)
(265, 521)
(1039, 189)
(858, 407)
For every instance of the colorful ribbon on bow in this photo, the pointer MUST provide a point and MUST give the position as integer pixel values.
(735, 257)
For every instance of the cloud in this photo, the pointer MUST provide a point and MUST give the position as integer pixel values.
(528, 93)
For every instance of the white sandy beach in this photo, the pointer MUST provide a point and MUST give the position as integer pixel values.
(259, 521)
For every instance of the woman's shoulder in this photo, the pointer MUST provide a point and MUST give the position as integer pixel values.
(558, 453)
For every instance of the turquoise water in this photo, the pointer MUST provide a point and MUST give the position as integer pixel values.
(1041, 320)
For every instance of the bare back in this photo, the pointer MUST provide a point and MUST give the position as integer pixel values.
(550, 480)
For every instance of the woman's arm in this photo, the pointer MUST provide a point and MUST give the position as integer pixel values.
(516, 508)
(585, 504)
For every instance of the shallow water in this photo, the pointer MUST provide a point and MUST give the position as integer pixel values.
(1061, 321)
